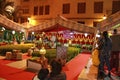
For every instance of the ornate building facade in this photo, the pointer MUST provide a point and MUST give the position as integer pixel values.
(88, 12)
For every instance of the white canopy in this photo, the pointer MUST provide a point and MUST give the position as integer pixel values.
(62, 22)
(59, 21)
(10, 24)
(111, 22)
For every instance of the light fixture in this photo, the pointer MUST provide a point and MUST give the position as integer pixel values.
(3, 28)
(28, 19)
(85, 34)
(33, 33)
(97, 35)
(104, 17)
(13, 32)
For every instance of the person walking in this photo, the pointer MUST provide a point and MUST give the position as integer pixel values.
(104, 47)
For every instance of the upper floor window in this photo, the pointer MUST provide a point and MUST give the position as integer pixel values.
(81, 7)
(47, 9)
(25, 11)
(81, 22)
(66, 8)
(22, 20)
(98, 7)
(36, 10)
(26, 0)
(115, 6)
(41, 8)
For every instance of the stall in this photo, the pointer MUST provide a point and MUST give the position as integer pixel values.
(65, 31)
(60, 26)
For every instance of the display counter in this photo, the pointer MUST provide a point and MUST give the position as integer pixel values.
(33, 64)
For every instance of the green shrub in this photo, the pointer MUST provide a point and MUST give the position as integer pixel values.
(51, 53)
(22, 47)
(36, 54)
(72, 52)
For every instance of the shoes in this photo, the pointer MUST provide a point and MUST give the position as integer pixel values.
(109, 75)
(101, 75)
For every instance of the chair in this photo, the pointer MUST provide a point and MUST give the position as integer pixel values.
(19, 56)
(8, 55)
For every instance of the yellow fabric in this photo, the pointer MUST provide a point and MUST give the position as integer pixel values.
(95, 58)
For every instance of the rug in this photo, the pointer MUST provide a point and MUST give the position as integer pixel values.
(74, 67)
(3, 60)
(10, 73)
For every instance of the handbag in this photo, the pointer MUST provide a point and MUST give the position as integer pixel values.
(95, 58)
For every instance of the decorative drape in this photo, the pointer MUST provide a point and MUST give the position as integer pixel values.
(110, 22)
(79, 38)
(59, 21)
(10, 24)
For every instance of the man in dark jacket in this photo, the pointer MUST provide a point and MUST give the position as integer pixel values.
(104, 47)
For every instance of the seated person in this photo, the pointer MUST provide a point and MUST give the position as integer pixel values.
(56, 71)
(43, 74)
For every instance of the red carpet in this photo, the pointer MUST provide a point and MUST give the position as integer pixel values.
(25, 56)
(5, 61)
(10, 73)
(75, 66)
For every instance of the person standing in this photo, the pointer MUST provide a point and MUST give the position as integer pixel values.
(104, 47)
(115, 50)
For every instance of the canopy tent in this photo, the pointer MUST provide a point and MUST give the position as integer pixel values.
(10, 24)
(110, 23)
(57, 24)
(60, 27)
(62, 22)
(54, 23)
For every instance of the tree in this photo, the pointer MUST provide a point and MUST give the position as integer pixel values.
(7, 8)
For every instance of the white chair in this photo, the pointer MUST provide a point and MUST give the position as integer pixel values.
(19, 56)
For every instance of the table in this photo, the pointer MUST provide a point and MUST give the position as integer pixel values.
(33, 64)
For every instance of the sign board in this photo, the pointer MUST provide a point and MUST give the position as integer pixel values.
(62, 52)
